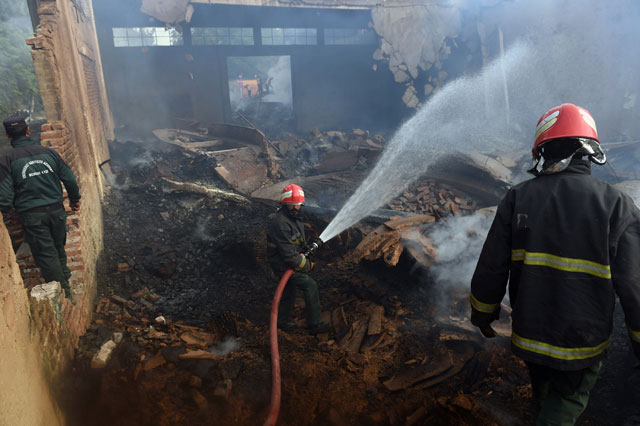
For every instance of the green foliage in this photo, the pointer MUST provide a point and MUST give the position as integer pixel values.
(18, 86)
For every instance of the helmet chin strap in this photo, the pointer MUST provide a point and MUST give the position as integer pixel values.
(542, 167)
(588, 147)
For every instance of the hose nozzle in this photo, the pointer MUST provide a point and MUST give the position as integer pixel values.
(315, 245)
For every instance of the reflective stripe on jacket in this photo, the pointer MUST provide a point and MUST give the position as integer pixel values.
(566, 243)
(286, 242)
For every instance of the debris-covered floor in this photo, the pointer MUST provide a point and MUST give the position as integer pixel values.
(185, 296)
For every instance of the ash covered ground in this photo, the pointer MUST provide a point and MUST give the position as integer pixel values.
(198, 261)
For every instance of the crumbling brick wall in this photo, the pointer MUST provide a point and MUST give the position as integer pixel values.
(25, 398)
(78, 126)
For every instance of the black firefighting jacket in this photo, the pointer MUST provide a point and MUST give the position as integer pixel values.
(286, 242)
(567, 243)
(30, 176)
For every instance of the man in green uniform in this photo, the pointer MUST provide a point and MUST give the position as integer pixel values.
(567, 244)
(285, 247)
(30, 176)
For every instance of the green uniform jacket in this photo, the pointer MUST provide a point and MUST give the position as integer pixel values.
(286, 242)
(30, 176)
(567, 243)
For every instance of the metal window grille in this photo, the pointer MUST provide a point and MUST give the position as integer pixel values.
(220, 36)
(289, 36)
(146, 36)
(343, 36)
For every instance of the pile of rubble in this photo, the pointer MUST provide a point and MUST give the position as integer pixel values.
(428, 196)
(132, 317)
(184, 281)
(390, 239)
(329, 151)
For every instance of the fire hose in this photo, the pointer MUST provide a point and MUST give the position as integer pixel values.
(276, 381)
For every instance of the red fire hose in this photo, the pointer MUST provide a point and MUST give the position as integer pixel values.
(275, 355)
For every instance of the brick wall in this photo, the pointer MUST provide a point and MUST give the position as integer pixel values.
(58, 332)
(38, 334)
(77, 127)
(26, 328)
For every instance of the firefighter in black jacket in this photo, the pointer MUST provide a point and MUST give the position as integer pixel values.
(30, 176)
(567, 243)
(285, 246)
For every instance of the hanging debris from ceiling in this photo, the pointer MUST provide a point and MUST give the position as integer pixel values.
(413, 39)
(169, 11)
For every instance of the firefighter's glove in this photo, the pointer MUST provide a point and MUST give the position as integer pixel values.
(483, 321)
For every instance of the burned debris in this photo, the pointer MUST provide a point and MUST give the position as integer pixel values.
(185, 294)
(216, 106)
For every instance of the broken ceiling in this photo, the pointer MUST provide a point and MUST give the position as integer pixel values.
(169, 11)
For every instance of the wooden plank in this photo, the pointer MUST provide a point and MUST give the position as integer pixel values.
(355, 342)
(369, 343)
(381, 245)
(340, 326)
(375, 320)
(371, 245)
(198, 354)
(461, 352)
(405, 222)
(392, 255)
(411, 376)
(353, 339)
(419, 247)
(198, 338)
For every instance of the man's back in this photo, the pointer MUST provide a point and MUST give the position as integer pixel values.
(31, 175)
(567, 244)
(559, 235)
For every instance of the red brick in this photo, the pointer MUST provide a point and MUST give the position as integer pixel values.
(73, 251)
(76, 267)
(46, 127)
(56, 142)
(59, 125)
(51, 134)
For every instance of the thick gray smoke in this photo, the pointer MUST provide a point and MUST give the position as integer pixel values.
(584, 52)
(281, 83)
(458, 242)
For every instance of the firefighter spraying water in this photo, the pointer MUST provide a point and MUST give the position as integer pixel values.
(290, 255)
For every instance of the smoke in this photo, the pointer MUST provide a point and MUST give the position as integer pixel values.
(281, 83)
(201, 232)
(558, 52)
(458, 241)
(235, 96)
(227, 346)
(18, 86)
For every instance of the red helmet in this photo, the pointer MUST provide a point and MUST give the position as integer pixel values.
(564, 121)
(292, 195)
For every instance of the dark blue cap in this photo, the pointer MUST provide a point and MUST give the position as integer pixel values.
(15, 126)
